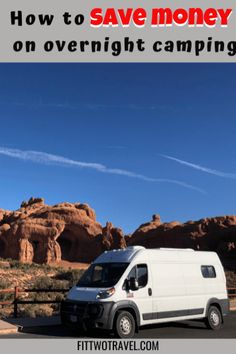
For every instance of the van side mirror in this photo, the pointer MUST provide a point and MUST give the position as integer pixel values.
(133, 284)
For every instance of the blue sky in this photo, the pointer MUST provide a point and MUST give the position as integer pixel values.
(131, 140)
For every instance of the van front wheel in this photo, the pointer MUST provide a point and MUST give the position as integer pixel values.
(124, 325)
(214, 318)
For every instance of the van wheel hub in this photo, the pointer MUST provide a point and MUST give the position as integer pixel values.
(215, 318)
(125, 325)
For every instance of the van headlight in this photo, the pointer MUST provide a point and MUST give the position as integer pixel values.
(104, 294)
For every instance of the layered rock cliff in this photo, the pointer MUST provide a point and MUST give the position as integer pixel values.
(211, 234)
(43, 234)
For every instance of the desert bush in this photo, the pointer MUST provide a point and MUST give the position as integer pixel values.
(29, 266)
(39, 310)
(39, 277)
(5, 284)
(72, 276)
(35, 311)
(50, 283)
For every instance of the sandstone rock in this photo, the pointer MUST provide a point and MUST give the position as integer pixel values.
(41, 233)
(156, 218)
(1, 214)
(214, 234)
(89, 211)
(4, 227)
(32, 201)
(112, 238)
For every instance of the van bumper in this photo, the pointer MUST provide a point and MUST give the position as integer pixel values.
(86, 314)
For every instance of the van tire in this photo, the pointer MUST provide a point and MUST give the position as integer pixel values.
(214, 318)
(124, 325)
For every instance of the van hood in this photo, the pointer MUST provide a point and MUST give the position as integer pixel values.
(84, 294)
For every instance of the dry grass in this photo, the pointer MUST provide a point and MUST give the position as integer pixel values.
(26, 276)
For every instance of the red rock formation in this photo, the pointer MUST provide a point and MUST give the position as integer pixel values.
(112, 237)
(44, 234)
(215, 234)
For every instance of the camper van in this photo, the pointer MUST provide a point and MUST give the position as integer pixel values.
(125, 289)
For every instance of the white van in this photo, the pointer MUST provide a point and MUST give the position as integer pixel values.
(125, 289)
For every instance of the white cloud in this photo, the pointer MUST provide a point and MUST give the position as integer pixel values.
(201, 168)
(50, 159)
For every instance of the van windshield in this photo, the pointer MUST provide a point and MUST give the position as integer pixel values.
(102, 275)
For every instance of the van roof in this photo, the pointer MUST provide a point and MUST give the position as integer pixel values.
(119, 255)
(157, 255)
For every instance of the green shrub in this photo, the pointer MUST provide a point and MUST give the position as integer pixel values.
(29, 266)
(57, 278)
(35, 311)
(72, 276)
(48, 283)
(5, 284)
(45, 282)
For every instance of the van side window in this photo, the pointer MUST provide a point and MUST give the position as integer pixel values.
(208, 271)
(132, 273)
(139, 272)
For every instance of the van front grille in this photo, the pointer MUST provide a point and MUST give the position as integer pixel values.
(82, 308)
